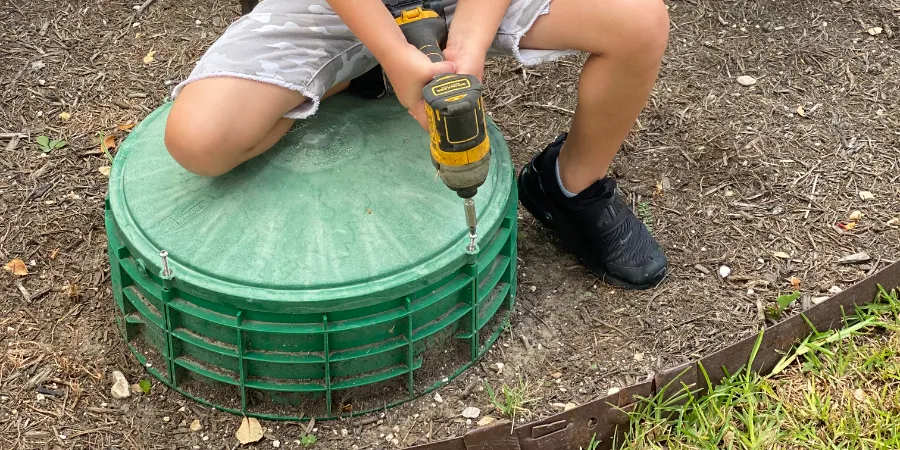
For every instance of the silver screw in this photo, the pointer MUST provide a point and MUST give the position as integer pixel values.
(165, 262)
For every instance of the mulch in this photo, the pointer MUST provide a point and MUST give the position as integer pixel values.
(762, 179)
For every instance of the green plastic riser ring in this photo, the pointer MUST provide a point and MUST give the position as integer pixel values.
(325, 278)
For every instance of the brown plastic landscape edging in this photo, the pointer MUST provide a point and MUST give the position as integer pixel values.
(606, 418)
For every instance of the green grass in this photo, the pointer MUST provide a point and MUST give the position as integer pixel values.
(835, 390)
(512, 400)
(645, 214)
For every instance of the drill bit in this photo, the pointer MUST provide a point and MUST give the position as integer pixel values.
(472, 222)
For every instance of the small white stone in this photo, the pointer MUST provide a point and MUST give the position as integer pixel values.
(276, 443)
(396, 428)
(724, 271)
(205, 438)
(835, 290)
(438, 398)
(389, 437)
(198, 22)
(558, 405)
(471, 412)
(166, 419)
(40, 397)
(120, 388)
(570, 406)
(395, 442)
(750, 291)
(817, 300)
(344, 432)
(746, 80)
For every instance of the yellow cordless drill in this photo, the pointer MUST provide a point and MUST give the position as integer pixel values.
(460, 147)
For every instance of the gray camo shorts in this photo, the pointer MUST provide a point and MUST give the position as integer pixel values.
(304, 46)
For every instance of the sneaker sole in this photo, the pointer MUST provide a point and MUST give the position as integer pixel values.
(568, 234)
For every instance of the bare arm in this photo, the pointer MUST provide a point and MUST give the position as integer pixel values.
(476, 22)
(408, 69)
(372, 23)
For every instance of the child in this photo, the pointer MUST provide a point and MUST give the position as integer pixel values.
(277, 63)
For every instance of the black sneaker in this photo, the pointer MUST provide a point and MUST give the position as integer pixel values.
(596, 224)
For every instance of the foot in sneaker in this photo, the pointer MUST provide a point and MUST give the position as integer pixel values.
(596, 224)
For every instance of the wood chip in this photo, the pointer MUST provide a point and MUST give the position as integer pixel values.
(855, 258)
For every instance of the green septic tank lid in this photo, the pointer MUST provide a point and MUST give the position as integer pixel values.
(344, 212)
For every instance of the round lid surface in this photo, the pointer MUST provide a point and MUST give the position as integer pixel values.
(346, 205)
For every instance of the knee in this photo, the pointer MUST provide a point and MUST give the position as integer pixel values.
(641, 33)
(196, 145)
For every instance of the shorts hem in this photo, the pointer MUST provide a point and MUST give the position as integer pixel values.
(534, 57)
(302, 111)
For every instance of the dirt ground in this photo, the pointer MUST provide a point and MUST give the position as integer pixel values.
(763, 179)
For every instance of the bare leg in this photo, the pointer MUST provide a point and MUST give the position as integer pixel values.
(626, 40)
(218, 123)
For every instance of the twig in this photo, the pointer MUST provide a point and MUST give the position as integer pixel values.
(144, 6)
(366, 421)
(13, 136)
(403, 441)
(9, 148)
(95, 430)
(470, 388)
(525, 341)
(25, 293)
(811, 195)
(553, 107)
(39, 378)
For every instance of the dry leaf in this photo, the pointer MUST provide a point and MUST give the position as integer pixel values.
(638, 356)
(859, 395)
(895, 222)
(149, 58)
(105, 170)
(801, 111)
(126, 126)
(795, 282)
(72, 290)
(856, 215)
(846, 226)
(109, 142)
(17, 267)
(54, 253)
(249, 432)
(781, 255)
(64, 116)
(866, 195)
